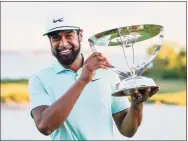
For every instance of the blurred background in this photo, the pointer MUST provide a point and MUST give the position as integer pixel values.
(24, 51)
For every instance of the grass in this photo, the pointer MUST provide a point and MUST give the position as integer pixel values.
(14, 92)
(171, 92)
(170, 85)
(177, 98)
(20, 81)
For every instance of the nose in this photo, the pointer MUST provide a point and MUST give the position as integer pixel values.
(63, 42)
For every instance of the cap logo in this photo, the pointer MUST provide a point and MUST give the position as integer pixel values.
(58, 20)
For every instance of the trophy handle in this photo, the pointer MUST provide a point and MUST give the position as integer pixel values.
(113, 68)
(119, 71)
(144, 65)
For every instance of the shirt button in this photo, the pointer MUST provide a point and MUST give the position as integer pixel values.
(76, 77)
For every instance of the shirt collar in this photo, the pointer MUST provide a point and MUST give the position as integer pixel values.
(59, 68)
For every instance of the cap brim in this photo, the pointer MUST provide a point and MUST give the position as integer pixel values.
(61, 29)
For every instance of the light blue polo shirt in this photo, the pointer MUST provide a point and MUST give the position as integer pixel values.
(91, 117)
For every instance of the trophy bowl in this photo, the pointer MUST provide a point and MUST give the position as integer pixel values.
(127, 38)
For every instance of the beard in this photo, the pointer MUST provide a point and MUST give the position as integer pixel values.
(66, 60)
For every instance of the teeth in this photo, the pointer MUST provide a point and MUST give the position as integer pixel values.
(65, 52)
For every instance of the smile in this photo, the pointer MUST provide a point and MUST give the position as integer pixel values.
(65, 52)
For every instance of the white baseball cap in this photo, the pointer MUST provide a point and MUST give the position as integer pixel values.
(60, 22)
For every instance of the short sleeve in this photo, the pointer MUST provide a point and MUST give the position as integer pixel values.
(118, 103)
(37, 93)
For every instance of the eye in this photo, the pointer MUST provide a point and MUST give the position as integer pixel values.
(68, 36)
(55, 38)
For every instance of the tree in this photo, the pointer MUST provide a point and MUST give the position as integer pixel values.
(170, 61)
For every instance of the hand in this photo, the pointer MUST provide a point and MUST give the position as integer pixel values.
(139, 96)
(94, 62)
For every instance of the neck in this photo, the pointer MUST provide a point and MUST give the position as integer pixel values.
(77, 64)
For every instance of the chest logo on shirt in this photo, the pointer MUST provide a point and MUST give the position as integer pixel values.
(95, 79)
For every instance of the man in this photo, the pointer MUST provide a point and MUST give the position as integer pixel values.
(71, 100)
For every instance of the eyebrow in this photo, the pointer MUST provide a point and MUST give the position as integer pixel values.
(69, 31)
(56, 32)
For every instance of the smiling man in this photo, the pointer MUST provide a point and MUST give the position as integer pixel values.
(71, 100)
(67, 51)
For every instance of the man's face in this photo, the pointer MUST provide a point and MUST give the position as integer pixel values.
(65, 45)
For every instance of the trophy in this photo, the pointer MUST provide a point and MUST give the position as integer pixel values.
(129, 37)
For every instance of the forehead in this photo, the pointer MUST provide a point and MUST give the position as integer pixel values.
(62, 32)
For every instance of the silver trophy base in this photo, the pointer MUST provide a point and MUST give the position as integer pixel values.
(126, 86)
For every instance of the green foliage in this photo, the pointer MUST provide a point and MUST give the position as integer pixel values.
(172, 73)
(170, 62)
(21, 81)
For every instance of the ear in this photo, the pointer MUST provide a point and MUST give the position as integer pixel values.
(81, 35)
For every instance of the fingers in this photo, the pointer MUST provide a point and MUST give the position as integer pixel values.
(102, 64)
(153, 91)
(98, 64)
(97, 60)
(95, 54)
(141, 95)
(135, 94)
(99, 56)
(147, 94)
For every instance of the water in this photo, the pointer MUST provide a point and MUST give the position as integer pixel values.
(17, 64)
(23, 64)
(160, 122)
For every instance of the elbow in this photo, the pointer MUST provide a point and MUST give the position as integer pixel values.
(129, 133)
(47, 127)
(44, 129)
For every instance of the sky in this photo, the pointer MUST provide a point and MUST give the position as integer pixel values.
(23, 23)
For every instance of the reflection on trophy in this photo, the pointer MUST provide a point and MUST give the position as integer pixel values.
(126, 38)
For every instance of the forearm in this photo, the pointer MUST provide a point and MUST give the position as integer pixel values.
(132, 120)
(53, 116)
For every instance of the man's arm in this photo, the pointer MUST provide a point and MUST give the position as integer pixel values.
(128, 120)
(49, 118)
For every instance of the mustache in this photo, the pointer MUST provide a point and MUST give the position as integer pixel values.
(61, 48)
